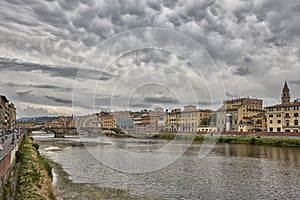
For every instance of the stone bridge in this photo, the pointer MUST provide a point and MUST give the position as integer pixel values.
(60, 132)
(90, 130)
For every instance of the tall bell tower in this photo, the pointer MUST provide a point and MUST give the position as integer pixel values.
(285, 96)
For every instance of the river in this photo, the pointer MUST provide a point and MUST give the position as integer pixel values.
(229, 171)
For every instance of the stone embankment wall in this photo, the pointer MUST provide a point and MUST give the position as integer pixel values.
(6, 164)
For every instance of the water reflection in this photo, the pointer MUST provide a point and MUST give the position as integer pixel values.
(286, 155)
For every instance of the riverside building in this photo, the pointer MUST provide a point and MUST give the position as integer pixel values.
(284, 117)
(242, 115)
(188, 120)
(107, 121)
(7, 114)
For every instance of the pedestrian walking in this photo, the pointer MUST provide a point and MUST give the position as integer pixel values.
(13, 139)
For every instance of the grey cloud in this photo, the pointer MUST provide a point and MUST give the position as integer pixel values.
(60, 100)
(241, 71)
(209, 104)
(170, 3)
(230, 95)
(51, 87)
(50, 13)
(248, 59)
(296, 82)
(68, 4)
(154, 5)
(53, 71)
(44, 86)
(30, 96)
(160, 100)
(23, 93)
(205, 103)
(139, 105)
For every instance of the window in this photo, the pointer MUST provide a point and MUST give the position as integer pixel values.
(278, 129)
(278, 109)
(295, 130)
(278, 121)
(296, 108)
(271, 115)
(271, 121)
(270, 109)
(287, 123)
(296, 122)
(287, 130)
(296, 115)
(287, 115)
(271, 129)
(287, 108)
(278, 115)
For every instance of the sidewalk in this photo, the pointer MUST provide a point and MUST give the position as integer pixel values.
(6, 146)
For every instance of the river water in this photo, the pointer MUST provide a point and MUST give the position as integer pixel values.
(229, 171)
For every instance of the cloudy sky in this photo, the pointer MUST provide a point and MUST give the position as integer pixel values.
(80, 56)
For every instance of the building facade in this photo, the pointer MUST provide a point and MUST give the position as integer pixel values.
(7, 114)
(149, 120)
(173, 120)
(12, 116)
(188, 120)
(89, 121)
(62, 121)
(284, 117)
(124, 120)
(240, 114)
(107, 121)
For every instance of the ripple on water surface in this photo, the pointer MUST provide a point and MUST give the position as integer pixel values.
(228, 172)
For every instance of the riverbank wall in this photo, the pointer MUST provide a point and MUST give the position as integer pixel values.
(272, 140)
(7, 163)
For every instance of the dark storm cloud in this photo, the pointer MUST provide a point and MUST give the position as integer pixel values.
(53, 71)
(45, 86)
(24, 93)
(59, 100)
(241, 71)
(248, 59)
(154, 5)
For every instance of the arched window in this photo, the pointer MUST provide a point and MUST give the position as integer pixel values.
(287, 122)
(296, 115)
(296, 122)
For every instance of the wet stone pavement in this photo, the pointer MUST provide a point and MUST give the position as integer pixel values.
(7, 145)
